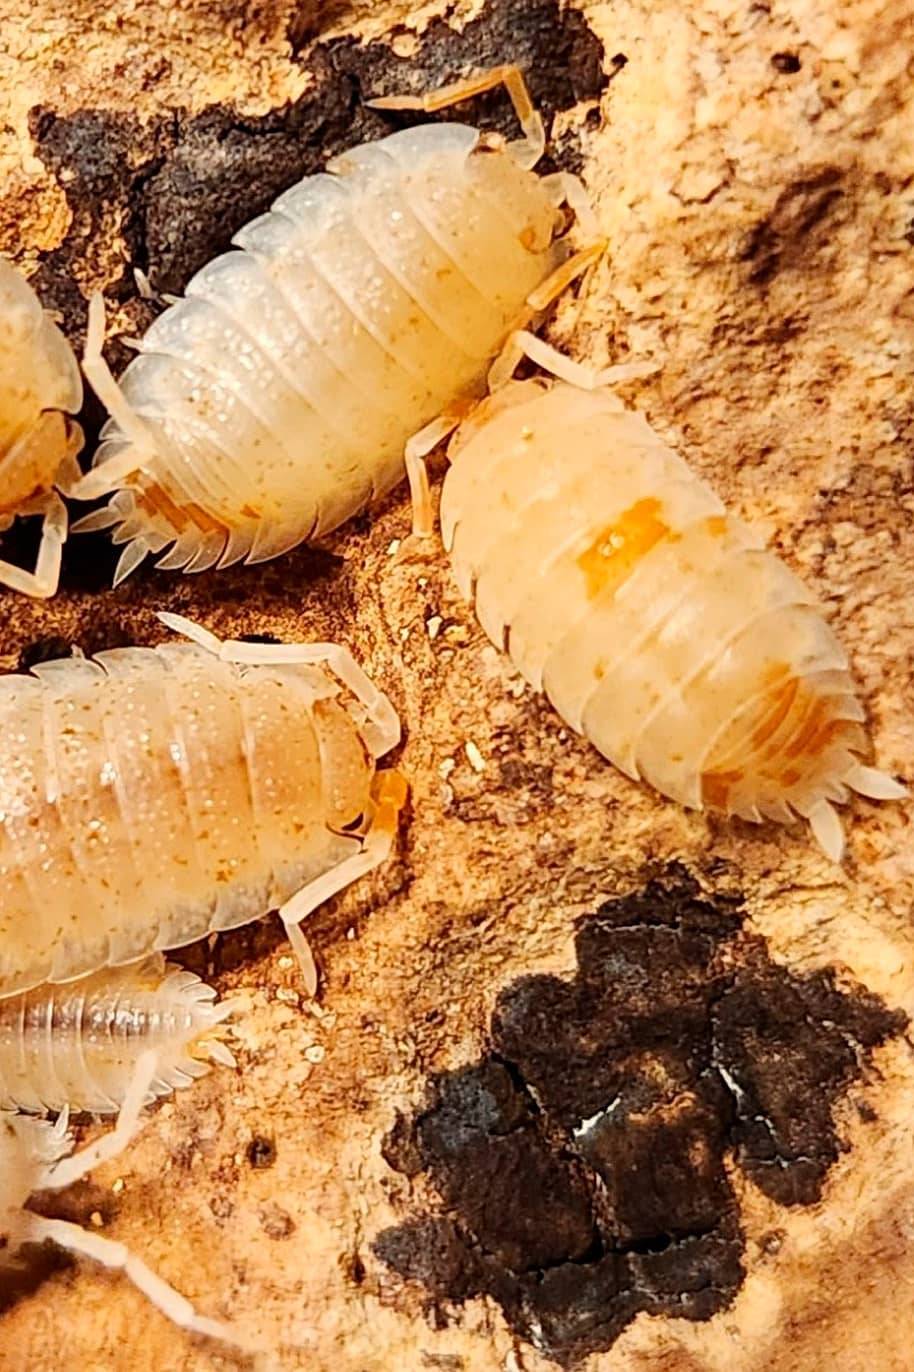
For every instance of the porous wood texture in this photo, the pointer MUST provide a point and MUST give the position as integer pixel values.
(510, 1136)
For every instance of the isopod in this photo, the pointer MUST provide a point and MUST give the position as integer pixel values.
(657, 625)
(149, 796)
(40, 388)
(304, 372)
(34, 1156)
(75, 1046)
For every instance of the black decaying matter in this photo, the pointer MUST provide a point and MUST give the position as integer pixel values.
(580, 1163)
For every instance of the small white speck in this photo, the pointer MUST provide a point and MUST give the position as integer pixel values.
(433, 625)
(118, 1186)
(474, 756)
(350, 935)
(316, 1053)
(446, 767)
(393, 547)
(96, 1220)
(422, 583)
(584, 1127)
(404, 633)
(286, 962)
(288, 997)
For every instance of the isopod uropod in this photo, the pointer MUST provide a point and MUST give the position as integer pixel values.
(150, 796)
(337, 344)
(34, 1157)
(76, 1046)
(40, 388)
(657, 625)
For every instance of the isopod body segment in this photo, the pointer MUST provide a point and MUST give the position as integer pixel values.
(305, 370)
(150, 796)
(40, 389)
(657, 625)
(75, 1046)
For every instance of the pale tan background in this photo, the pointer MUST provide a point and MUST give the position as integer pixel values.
(760, 231)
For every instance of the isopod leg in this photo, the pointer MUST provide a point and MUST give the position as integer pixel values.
(189, 628)
(42, 583)
(417, 449)
(102, 381)
(117, 1256)
(390, 791)
(569, 270)
(570, 190)
(116, 1141)
(381, 731)
(527, 150)
(521, 343)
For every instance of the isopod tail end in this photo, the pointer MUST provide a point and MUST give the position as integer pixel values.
(875, 784)
(825, 823)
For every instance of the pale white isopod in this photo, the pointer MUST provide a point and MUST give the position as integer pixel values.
(40, 388)
(150, 796)
(76, 1045)
(36, 1156)
(657, 625)
(305, 371)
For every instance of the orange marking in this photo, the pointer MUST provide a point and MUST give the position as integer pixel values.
(777, 705)
(616, 551)
(809, 737)
(389, 791)
(716, 525)
(716, 787)
(157, 501)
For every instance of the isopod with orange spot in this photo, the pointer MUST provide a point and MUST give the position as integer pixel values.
(659, 626)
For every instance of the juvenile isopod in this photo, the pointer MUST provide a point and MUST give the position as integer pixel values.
(40, 388)
(305, 371)
(150, 796)
(75, 1046)
(34, 1156)
(657, 625)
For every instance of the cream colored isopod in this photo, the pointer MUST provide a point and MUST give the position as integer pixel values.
(40, 388)
(150, 796)
(305, 371)
(76, 1046)
(658, 626)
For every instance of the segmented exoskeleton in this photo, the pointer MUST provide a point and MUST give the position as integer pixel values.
(658, 626)
(303, 373)
(75, 1046)
(149, 796)
(40, 388)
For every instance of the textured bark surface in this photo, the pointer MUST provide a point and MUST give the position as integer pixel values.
(399, 1176)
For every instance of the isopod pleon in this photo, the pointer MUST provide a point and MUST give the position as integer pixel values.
(307, 369)
(40, 388)
(34, 1156)
(76, 1045)
(149, 796)
(657, 625)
